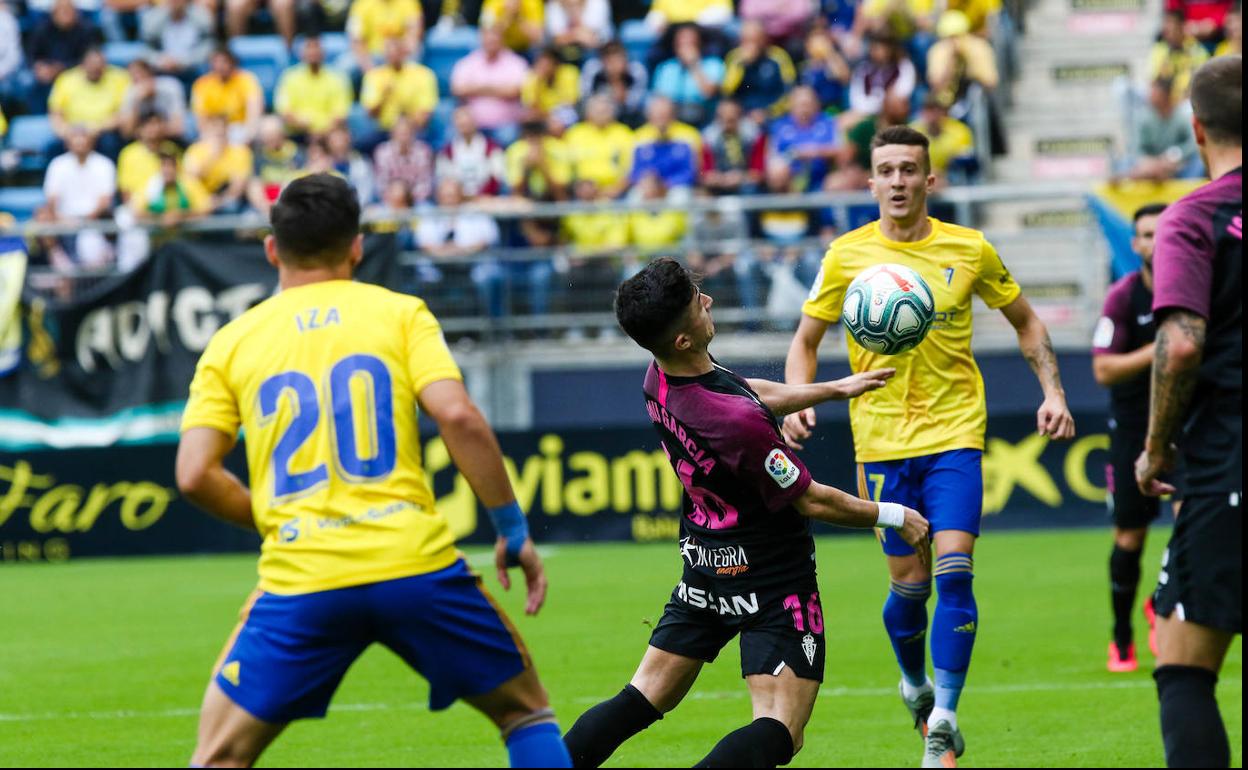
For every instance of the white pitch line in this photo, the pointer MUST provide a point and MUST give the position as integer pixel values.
(827, 692)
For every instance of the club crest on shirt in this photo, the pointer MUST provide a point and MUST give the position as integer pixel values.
(781, 469)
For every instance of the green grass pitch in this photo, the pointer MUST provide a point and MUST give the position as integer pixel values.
(104, 662)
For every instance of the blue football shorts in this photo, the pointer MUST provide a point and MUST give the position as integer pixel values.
(290, 652)
(947, 488)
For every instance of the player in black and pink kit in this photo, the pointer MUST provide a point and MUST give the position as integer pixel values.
(745, 536)
(1122, 359)
(1198, 386)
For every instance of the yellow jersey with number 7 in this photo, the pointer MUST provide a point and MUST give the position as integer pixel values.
(323, 379)
(935, 402)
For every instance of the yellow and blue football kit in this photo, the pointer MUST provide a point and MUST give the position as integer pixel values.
(323, 379)
(932, 413)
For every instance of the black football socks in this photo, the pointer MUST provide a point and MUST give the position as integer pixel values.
(602, 729)
(765, 742)
(1191, 726)
(1124, 580)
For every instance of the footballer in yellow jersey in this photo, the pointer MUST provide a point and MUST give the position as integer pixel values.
(919, 440)
(325, 381)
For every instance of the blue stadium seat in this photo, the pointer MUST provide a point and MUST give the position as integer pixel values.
(265, 56)
(122, 52)
(443, 48)
(439, 129)
(21, 202)
(31, 135)
(637, 38)
(335, 45)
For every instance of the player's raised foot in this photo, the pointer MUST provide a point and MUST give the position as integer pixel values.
(943, 746)
(1151, 616)
(1119, 663)
(920, 706)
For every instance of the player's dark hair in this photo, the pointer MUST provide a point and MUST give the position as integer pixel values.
(315, 220)
(903, 135)
(1218, 99)
(649, 305)
(1148, 210)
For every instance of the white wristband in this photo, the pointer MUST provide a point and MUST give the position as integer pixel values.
(891, 515)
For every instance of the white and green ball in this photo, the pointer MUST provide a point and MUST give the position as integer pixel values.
(888, 309)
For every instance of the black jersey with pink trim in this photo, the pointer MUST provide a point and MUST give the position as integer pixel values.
(739, 527)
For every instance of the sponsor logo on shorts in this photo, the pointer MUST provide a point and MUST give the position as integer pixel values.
(704, 599)
(727, 560)
(231, 671)
(781, 469)
(809, 645)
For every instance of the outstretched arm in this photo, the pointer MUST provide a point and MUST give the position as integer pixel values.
(203, 479)
(474, 448)
(1053, 419)
(1180, 346)
(799, 368)
(784, 399)
(834, 506)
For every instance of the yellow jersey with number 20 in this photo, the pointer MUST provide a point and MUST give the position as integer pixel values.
(323, 380)
(935, 402)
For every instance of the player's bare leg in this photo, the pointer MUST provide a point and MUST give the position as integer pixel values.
(782, 705)
(786, 698)
(520, 708)
(228, 735)
(1124, 578)
(662, 681)
(665, 677)
(1188, 661)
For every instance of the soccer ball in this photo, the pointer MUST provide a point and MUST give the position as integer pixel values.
(888, 309)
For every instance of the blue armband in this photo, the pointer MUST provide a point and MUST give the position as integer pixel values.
(511, 525)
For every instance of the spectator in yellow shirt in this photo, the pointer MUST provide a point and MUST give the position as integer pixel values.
(653, 231)
(223, 168)
(312, 98)
(1177, 56)
(520, 21)
(594, 232)
(704, 13)
(90, 95)
(950, 138)
(139, 161)
(230, 92)
(372, 22)
(551, 89)
(172, 197)
(399, 87)
(600, 149)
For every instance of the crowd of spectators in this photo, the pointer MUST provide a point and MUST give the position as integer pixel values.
(772, 96)
(1160, 141)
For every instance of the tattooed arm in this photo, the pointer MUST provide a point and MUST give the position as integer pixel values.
(1053, 417)
(1177, 354)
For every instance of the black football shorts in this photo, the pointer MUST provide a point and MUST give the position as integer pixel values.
(1202, 571)
(779, 628)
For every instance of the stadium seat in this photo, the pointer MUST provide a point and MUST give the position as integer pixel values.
(21, 202)
(439, 129)
(31, 135)
(121, 53)
(335, 45)
(265, 56)
(443, 48)
(637, 38)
